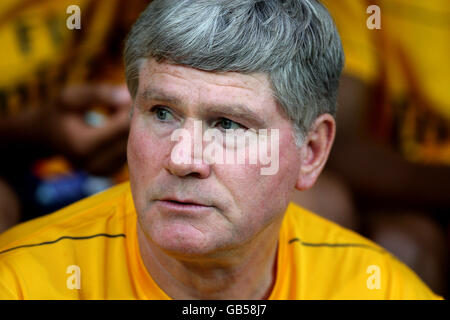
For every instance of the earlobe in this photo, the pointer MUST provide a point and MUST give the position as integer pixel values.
(315, 150)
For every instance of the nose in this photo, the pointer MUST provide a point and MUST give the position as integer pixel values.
(186, 157)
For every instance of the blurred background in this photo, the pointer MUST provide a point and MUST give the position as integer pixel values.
(64, 119)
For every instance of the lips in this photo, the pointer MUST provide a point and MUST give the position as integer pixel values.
(186, 202)
(185, 207)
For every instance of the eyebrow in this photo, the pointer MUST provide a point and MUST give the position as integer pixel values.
(160, 96)
(237, 111)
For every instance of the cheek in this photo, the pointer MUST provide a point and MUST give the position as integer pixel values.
(145, 153)
(261, 198)
(251, 193)
(289, 167)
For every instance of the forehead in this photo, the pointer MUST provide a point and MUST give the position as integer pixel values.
(197, 92)
(152, 70)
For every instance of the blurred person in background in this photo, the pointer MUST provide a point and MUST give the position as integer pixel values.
(394, 122)
(62, 93)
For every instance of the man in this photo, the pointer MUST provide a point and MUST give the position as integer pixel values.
(189, 225)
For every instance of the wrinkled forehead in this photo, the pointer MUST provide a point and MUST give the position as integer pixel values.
(251, 81)
(176, 81)
(248, 93)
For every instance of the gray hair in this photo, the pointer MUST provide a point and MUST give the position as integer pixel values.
(295, 42)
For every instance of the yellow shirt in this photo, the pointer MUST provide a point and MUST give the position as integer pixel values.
(93, 243)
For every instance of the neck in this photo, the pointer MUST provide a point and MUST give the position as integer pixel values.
(248, 272)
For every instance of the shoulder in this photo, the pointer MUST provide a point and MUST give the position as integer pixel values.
(71, 219)
(98, 217)
(351, 265)
(34, 256)
(310, 228)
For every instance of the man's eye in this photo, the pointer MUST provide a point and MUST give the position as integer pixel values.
(227, 124)
(162, 114)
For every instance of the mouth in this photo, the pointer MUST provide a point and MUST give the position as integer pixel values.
(186, 202)
(183, 206)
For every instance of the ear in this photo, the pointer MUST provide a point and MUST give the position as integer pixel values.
(315, 150)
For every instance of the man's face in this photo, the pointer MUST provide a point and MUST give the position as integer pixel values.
(233, 202)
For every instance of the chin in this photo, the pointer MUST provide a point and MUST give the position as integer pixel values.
(182, 239)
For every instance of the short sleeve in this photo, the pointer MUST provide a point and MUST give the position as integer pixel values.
(406, 285)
